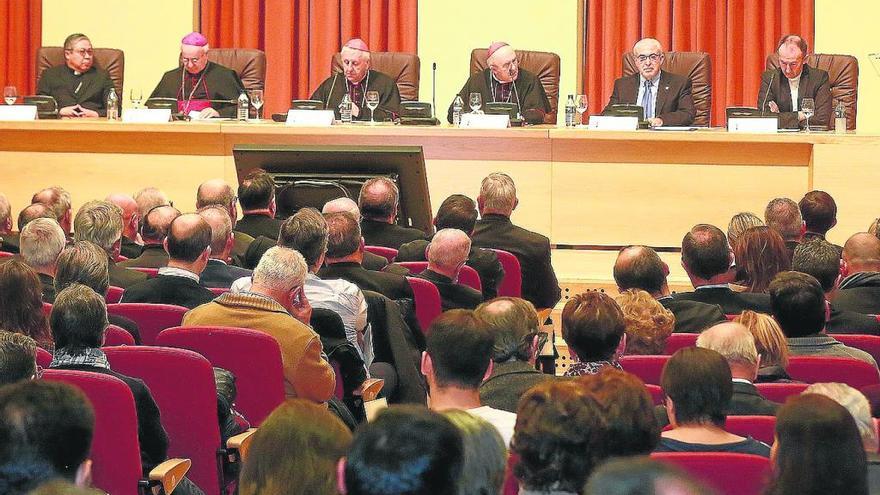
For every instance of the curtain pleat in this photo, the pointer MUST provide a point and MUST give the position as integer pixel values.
(20, 35)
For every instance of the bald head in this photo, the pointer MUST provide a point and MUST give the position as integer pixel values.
(221, 231)
(58, 200)
(32, 212)
(378, 200)
(639, 267)
(156, 224)
(448, 251)
(149, 198)
(130, 217)
(218, 192)
(862, 253)
(514, 323)
(342, 205)
(735, 342)
(189, 236)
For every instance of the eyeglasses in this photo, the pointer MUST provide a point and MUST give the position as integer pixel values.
(82, 52)
(505, 66)
(190, 61)
(654, 57)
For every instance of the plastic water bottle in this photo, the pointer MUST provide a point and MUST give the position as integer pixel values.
(570, 111)
(457, 106)
(112, 105)
(345, 109)
(840, 118)
(243, 106)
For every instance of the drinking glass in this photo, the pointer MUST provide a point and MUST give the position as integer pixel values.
(372, 102)
(136, 96)
(10, 95)
(808, 106)
(581, 107)
(476, 101)
(256, 96)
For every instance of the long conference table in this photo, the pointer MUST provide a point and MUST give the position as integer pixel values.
(588, 191)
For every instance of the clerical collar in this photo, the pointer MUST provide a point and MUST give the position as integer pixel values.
(501, 82)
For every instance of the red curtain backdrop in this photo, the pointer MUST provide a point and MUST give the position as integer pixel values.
(300, 36)
(737, 34)
(20, 36)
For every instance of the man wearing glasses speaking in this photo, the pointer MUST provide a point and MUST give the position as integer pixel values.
(78, 86)
(666, 97)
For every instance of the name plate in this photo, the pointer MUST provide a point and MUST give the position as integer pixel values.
(610, 123)
(770, 124)
(484, 121)
(18, 112)
(310, 118)
(146, 115)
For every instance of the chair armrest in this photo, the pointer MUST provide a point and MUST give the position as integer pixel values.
(241, 442)
(370, 389)
(169, 473)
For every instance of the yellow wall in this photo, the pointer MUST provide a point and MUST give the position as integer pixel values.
(148, 31)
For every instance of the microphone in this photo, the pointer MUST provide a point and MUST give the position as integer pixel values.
(767, 94)
(434, 88)
(332, 85)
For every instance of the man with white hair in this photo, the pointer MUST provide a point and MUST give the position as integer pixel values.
(42, 240)
(371, 261)
(132, 246)
(6, 234)
(665, 97)
(59, 201)
(218, 192)
(276, 304)
(447, 254)
(149, 198)
(218, 272)
(783, 90)
(198, 85)
(358, 79)
(496, 202)
(505, 82)
(100, 223)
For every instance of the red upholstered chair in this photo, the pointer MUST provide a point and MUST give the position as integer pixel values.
(730, 317)
(648, 368)
(4, 254)
(779, 392)
(678, 341)
(116, 336)
(113, 295)
(867, 343)
(218, 290)
(150, 318)
(427, 300)
(182, 383)
(467, 276)
(544, 65)
(697, 66)
(44, 357)
(151, 272)
(511, 284)
(728, 474)
(656, 394)
(819, 369)
(511, 485)
(385, 252)
(758, 427)
(252, 356)
(248, 63)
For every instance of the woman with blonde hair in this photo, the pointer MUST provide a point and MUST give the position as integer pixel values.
(771, 345)
(648, 323)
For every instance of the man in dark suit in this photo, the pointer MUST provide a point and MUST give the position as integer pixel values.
(218, 273)
(100, 223)
(257, 197)
(860, 289)
(821, 259)
(189, 247)
(371, 261)
(639, 267)
(378, 202)
(783, 90)
(784, 216)
(496, 202)
(819, 212)
(447, 253)
(11, 240)
(153, 231)
(42, 240)
(218, 192)
(665, 97)
(131, 247)
(706, 258)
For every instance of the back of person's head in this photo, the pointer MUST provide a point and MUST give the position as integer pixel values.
(513, 322)
(83, 263)
(156, 223)
(733, 341)
(457, 212)
(295, 451)
(18, 354)
(56, 198)
(342, 205)
(459, 347)
(741, 222)
(378, 199)
(497, 194)
(45, 432)
(305, 231)
(99, 222)
(639, 267)
(280, 269)
(41, 242)
(705, 252)
(32, 212)
(149, 198)
(22, 308)
(343, 234)
(592, 325)
(449, 249)
(257, 190)
(818, 448)
(819, 211)
(798, 304)
(770, 342)
(557, 437)
(642, 476)
(630, 427)
(78, 319)
(221, 228)
(699, 384)
(648, 323)
(485, 455)
(760, 254)
(189, 235)
(856, 403)
(406, 450)
(784, 216)
(819, 258)
(5, 214)
(861, 253)
(215, 192)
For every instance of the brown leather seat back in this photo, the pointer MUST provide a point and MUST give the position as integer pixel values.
(695, 65)
(110, 59)
(402, 67)
(248, 63)
(544, 65)
(843, 76)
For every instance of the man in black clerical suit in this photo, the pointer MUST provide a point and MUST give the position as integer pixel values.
(706, 258)
(357, 79)
(199, 85)
(666, 97)
(505, 82)
(447, 253)
(639, 267)
(496, 202)
(378, 203)
(79, 88)
(792, 82)
(257, 197)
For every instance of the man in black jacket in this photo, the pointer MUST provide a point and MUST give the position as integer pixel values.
(378, 202)
(860, 289)
(100, 223)
(447, 253)
(783, 90)
(257, 197)
(153, 231)
(218, 272)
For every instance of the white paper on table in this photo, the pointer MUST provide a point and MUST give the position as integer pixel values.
(146, 115)
(485, 121)
(18, 112)
(612, 123)
(756, 124)
(310, 118)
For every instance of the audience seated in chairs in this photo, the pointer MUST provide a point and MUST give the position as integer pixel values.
(379, 201)
(257, 197)
(770, 344)
(648, 323)
(593, 327)
(100, 223)
(642, 476)
(216, 192)
(22, 308)
(859, 290)
(41, 242)
(219, 272)
(760, 254)
(485, 455)
(784, 216)
(154, 229)
(132, 245)
(18, 357)
(447, 254)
